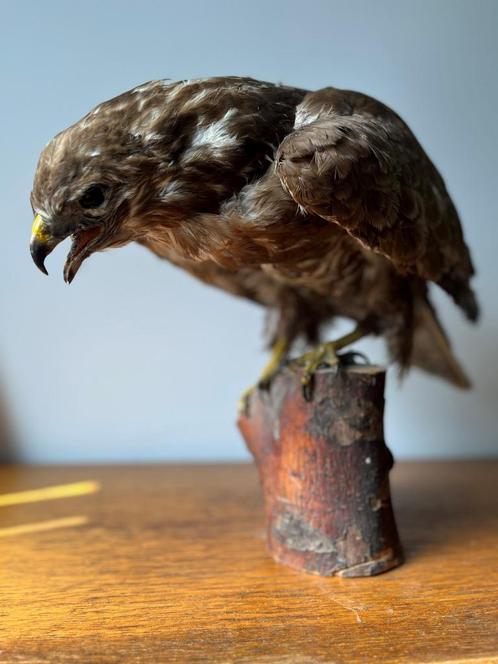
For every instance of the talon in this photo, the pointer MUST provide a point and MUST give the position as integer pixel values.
(243, 402)
(353, 358)
(277, 359)
(325, 354)
(265, 383)
(307, 387)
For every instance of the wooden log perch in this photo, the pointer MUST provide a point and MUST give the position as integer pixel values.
(324, 471)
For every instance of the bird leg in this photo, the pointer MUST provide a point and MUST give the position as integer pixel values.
(278, 355)
(325, 353)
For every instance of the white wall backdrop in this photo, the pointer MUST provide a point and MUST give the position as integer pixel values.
(137, 361)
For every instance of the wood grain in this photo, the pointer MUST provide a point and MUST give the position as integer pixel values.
(170, 566)
(324, 471)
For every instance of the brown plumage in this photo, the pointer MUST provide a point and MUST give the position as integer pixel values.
(314, 204)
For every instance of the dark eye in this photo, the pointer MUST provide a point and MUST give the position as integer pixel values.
(93, 197)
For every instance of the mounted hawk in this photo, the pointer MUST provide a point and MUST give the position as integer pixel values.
(312, 204)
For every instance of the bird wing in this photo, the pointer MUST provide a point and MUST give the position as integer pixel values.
(353, 161)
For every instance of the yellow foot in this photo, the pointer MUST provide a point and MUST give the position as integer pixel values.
(324, 354)
(278, 355)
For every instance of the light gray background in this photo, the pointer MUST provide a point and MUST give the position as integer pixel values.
(137, 361)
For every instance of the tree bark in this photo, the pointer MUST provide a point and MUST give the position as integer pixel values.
(324, 471)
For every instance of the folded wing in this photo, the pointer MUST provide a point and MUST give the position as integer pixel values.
(353, 161)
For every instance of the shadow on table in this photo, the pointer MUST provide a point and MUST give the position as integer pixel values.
(445, 504)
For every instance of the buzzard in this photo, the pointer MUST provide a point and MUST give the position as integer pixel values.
(312, 204)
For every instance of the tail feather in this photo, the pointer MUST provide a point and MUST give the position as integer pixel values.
(431, 349)
(467, 300)
(462, 295)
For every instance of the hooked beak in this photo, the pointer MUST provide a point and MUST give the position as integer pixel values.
(42, 243)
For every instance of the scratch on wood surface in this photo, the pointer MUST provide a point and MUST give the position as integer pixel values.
(354, 609)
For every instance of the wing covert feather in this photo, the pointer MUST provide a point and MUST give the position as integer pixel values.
(353, 161)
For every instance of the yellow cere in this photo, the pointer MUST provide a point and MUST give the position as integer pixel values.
(38, 230)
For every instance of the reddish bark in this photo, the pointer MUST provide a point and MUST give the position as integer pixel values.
(324, 470)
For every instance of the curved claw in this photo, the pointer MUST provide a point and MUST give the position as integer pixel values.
(351, 358)
(324, 354)
(327, 354)
(277, 360)
(307, 388)
(243, 402)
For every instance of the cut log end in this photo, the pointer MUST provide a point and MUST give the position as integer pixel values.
(324, 471)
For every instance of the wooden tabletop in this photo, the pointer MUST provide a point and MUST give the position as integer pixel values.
(168, 564)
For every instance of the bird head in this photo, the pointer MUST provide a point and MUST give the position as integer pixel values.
(156, 156)
(94, 178)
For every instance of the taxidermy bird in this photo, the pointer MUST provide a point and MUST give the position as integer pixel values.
(312, 204)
